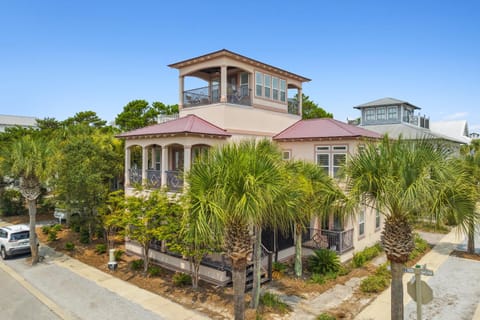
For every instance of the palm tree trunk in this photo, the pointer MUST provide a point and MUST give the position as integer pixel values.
(471, 238)
(239, 266)
(298, 251)
(257, 267)
(397, 290)
(32, 212)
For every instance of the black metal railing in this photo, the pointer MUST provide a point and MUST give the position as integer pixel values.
(239, 95)
(293, 107)
(339, 241)
(201, 96)
(209, 95)
(174, 180)
(154, 178)
(135, 175)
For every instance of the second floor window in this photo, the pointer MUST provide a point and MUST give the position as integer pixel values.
(267, 85)
(283, 90)
(275, 88)
(361, 223)
(381, 114)
(331, 158)
(258, 84)
(370, 114)
(392, 113)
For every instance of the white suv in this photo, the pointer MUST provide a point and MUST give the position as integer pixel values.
(14, 239)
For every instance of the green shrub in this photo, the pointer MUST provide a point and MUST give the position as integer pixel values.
(57, 227)
(420, 247)
(279, 267)
(272, 301)
(100, 248)
(12, 202)
(322, 278)
(52, 235)
(136, 265)
(46, 229)
(323, 261)
(367, 254)
(378, 281)
(69, 246)
(154, 271)
(325, 316)
(180, 279)
(345, 269)
(84, 236)
(118, 254)
(374, 283)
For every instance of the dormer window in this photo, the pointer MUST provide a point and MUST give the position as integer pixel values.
(370, 114)
(381, 113)
(392, 113)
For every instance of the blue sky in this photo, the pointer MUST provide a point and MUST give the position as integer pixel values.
(61, 57)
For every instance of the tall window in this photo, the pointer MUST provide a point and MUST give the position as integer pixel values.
(361, 223)
(370, 114)
(283, 90)
(331, 158)
(381, 113)
(377, 219)
(268, 82)
(275, 88)
(323, 158)
(392, 113)
(258, 84)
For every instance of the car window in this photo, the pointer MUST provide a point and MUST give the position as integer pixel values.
(20, 235)
(3, 234)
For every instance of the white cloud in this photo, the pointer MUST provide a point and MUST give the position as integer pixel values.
(455, 116)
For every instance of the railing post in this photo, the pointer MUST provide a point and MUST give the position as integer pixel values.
(340, 250)
(270, 266)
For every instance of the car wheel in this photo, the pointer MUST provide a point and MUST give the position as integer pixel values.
(3, 253)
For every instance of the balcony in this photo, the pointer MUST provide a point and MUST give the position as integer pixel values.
(338, 241)
(240, 95)
(419, 121)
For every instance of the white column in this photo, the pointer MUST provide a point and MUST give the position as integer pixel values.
(300, 101)
(187, 158)
(127, 166)
(223, 84)
(164, 165)
(152, 157)
(144, 165)
(180, 92)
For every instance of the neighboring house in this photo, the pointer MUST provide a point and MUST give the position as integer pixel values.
(398, 118)
(245, 98)
(8, 121)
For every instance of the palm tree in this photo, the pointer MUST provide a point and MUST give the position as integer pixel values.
(404, 178)
(27, 158)
(470, 159)
(233, 189)
(314, 194)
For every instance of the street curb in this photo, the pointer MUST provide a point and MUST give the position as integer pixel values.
(37, 293)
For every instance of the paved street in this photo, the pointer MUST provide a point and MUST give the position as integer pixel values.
(16, 302)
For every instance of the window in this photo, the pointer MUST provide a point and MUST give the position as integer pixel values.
(381, 114)
(377, 219)
(286, 155)
(392, 113)
(275, 88)
(283, 90)
(338, 162)
(258, 83)
(267, 85)
(331, 158)
(370, 114)
(361, 223)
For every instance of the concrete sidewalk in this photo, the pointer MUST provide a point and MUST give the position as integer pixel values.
(444, 266)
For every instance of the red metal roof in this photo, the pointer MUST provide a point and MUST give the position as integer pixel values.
(324, 128)
(188, 124)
